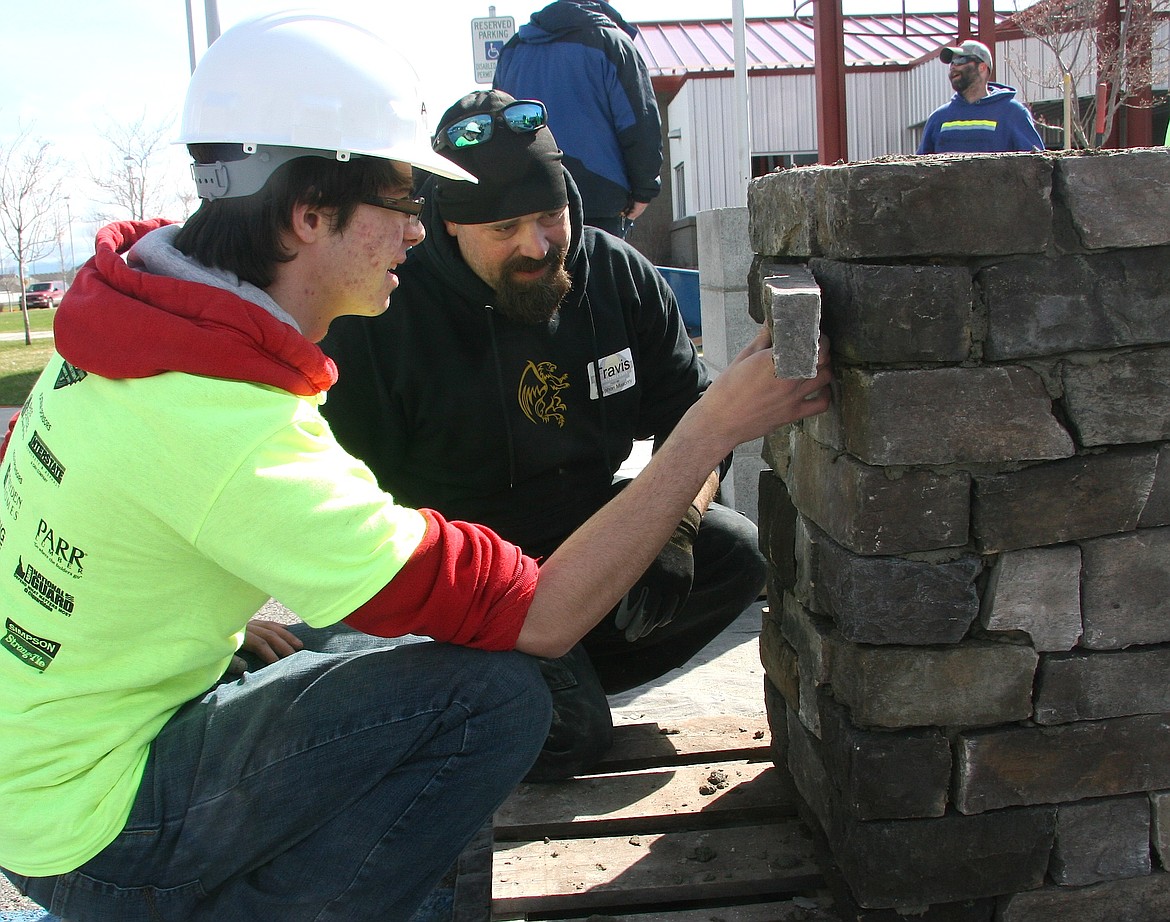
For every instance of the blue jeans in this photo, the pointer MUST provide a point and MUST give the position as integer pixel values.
(334, 785)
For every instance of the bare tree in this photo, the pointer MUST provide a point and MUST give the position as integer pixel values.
(127, 178)
(1090, 48)
(30, 184)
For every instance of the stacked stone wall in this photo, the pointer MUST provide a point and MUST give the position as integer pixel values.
(968, 638)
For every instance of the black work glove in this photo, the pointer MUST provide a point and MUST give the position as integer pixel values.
(661, 591)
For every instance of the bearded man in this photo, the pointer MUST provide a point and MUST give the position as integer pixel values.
(521, 357)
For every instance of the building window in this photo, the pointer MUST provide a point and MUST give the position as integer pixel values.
(766, 163)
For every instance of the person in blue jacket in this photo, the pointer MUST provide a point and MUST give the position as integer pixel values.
(982, 117)
(578, 58)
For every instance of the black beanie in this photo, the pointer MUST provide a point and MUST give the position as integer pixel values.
(519, 173)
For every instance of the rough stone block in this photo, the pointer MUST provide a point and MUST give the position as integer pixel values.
(870, 511)
(1160, 820)
(776, 710)
(806, 761)
(794, 305)
(1138, 899)
(1094, 686)
(781, 221)
(777, 450)
(950, 416)
(1037, 591)
(1011, 766)
(777, 534)
(1119, 198)
(811, 638)
(909, 863)
(892, 600)
(1038, 307)
(725, 255)
(890, 209)
(1059, 501)
(1157, 508)
(884, 314)
(882, 774)
(1103, 839)
(1120, 398)
(974, 684)
(828, 428)
(781, 667)
(1126, 589)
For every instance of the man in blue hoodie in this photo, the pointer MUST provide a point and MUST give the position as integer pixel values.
(578, 58)
(982, 117)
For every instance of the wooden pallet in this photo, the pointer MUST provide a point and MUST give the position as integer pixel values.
(690, 821)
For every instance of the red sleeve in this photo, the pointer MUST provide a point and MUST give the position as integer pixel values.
(8, 435)
(463, 584)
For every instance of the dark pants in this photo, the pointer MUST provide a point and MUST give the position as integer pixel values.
(729, 576)
(616, 224)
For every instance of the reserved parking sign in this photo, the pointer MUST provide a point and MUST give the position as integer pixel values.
(488, 36)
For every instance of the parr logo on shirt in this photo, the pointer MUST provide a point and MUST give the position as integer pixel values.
(37, 652)
(539, 393)
(43, 590)
(64, 556)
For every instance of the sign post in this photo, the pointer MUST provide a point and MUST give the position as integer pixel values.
(488, 36)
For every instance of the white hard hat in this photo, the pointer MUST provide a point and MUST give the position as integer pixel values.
(300, 83)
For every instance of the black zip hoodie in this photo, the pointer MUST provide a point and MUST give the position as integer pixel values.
(458, 408)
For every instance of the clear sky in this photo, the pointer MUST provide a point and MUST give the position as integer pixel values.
(71, 68)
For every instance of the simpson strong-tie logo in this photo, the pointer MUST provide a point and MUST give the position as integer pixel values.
(539, 393)
(27, 646)
(47, 460)
(69, 374)
(43, 590)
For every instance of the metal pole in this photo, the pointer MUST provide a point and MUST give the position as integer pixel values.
(211, 12)
(69, 218)
(191, 36)
(743, 125)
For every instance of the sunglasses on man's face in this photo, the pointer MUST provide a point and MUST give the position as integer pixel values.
(522, 116)
(960, 59)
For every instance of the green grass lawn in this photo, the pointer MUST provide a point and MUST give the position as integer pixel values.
(20, 364)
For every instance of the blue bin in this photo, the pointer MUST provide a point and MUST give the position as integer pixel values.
(685, 285)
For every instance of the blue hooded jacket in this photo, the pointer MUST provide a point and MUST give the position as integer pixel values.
(997, 122)
(578, 58)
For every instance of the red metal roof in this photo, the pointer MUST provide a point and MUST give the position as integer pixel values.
(707, 45)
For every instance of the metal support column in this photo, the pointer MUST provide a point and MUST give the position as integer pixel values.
(829, 68)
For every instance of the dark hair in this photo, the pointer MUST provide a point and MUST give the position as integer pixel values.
(243, 235)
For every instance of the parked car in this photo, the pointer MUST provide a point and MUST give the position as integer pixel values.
(44, 294)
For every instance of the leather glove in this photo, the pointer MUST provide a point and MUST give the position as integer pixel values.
(661, 591)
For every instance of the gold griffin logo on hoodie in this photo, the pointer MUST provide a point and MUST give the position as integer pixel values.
(539, 393)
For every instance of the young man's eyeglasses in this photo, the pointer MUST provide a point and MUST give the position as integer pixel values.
(523, 115)
(412, 207)
(959, 60)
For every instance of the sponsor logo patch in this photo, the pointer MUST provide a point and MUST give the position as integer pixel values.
(37, 652)
(65, 556)
(43, 590)
(47, 460)
(69, 374)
